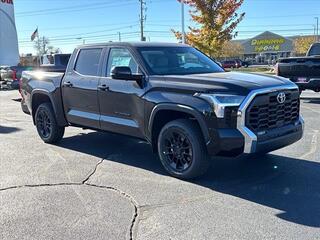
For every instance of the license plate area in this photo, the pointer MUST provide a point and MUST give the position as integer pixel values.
(302, 79)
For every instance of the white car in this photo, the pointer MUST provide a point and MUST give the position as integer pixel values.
(6, 74)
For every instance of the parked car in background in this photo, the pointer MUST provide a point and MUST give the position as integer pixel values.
(10, 76)
(19, 69)
(170, 95)
(241, 63)
(231, 64)
(17, 73)
(304, 71)
(5, 73)
(6, 76)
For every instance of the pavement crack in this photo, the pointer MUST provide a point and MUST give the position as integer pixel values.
(133, 202)
(40, 185)
(136, 207)
(93, 172)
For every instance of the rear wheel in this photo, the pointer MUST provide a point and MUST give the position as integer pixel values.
(46, 123)
(182, 149)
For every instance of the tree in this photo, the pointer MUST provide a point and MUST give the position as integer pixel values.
(302, 45)
(231, 50)
(215, 21)
(42, 46)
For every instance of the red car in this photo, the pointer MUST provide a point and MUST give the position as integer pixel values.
(231, 64)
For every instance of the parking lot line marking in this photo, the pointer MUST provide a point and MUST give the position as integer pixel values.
(314, 144)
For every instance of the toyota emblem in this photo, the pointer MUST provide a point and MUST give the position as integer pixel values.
(281, 97)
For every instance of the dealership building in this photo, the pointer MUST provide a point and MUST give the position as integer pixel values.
(267, 47)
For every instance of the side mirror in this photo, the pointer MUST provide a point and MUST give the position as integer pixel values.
(124, 73)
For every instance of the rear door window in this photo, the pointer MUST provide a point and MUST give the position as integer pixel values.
(88, 62)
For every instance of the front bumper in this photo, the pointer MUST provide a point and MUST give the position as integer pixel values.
(285, 138)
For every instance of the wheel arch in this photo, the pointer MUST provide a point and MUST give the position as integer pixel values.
(38, 97)
(164, 113)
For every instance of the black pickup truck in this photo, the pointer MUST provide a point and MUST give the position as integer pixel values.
(304, 71)
(170, 95)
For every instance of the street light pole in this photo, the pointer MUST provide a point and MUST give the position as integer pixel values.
(182, 23)
(119, 36)
(142, 19)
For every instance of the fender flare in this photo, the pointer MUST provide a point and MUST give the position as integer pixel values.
(43, 92)
(180, 108)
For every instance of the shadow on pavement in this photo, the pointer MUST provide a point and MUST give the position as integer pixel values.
(287, 184)
(17, 99)
(8, 130)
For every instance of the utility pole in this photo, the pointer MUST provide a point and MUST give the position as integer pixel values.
(119, 35)
(43, 45)
(182, 23)
(142, 18)
(317, 19)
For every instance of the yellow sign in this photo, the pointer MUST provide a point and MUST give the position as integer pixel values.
(267, 45)
(264, 42)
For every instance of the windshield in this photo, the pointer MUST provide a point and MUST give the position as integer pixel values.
(177, 61)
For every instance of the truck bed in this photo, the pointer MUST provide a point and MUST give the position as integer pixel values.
(47, 81)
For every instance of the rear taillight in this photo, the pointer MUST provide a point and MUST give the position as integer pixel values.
(14, 75)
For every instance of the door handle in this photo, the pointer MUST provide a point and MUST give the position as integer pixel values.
(67, 84)
(103, 87)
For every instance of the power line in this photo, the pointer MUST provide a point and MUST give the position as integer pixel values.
(88, 35)
(63, 8)
(82, 26)
(67, 10)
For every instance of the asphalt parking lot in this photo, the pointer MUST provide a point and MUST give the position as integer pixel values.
(103, 186)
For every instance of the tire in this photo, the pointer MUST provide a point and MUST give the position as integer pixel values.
(182, 150)
(46, 123)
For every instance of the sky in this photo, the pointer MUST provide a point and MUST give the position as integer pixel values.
(68, 23)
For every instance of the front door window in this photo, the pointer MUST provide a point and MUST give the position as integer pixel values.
(121, 57)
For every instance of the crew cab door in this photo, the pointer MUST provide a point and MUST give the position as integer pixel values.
(121, 105)
(79, 88)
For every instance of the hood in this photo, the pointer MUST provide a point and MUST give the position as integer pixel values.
(230, 82)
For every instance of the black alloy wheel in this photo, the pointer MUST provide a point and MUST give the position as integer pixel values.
(46, 123)
(177, 150)
(182, 150)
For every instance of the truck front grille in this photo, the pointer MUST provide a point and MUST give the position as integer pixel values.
(266, 113)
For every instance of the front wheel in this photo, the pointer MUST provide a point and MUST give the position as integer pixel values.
(182, 150)
(46, 123)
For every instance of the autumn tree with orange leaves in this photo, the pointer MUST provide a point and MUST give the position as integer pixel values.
(216, 21)
(302, 45)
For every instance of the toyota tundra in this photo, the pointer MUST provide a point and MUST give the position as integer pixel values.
(170, 95)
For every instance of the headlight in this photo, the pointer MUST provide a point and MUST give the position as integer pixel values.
(221, 101)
